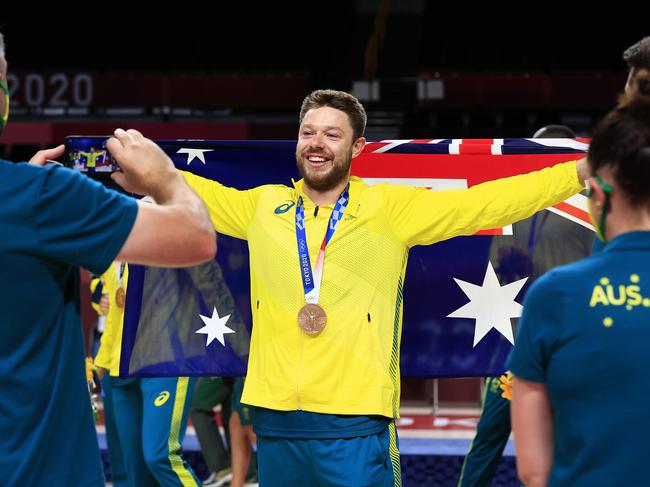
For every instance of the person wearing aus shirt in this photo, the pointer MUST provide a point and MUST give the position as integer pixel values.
(538, 244)
(580, 360)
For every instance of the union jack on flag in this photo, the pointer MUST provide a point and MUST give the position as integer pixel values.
(426, 163)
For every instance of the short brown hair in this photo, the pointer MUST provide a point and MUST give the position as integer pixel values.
(341, 101)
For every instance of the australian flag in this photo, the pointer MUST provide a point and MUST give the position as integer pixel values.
(461, 296)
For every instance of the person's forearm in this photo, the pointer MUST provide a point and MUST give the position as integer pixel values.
(175, 232)
(190, 213)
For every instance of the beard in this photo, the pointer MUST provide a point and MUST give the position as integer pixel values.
(325, 180)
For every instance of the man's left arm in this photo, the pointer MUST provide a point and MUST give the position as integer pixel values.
(421, 217)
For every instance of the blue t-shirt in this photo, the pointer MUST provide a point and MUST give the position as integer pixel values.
(584, 333)
(52, 220)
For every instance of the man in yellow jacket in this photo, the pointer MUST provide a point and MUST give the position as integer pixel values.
(150, 414)
(101, 304)
(328, 259)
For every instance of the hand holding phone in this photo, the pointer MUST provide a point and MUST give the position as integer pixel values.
(126, 161)
(146, 169)
(46, 156)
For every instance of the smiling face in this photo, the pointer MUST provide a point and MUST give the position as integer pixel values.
(325, 148)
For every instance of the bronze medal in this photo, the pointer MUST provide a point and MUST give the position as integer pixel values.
(312, 319)
(120, 297)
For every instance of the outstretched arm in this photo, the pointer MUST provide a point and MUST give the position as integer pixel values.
(176, 231)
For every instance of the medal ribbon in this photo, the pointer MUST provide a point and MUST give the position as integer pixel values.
(311, 281)
(120, 274)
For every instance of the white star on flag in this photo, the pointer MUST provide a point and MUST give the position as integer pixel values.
(215, 327)
(490, 305)
(194, 154)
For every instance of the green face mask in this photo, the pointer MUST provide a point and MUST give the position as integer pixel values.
(600, 226)
(5, 115)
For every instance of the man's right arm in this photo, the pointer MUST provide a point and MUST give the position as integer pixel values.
(175, 232)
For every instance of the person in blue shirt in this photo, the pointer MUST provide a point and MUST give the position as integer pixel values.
(538, 244)
(581, 390)
(493, 429)
(52, 221)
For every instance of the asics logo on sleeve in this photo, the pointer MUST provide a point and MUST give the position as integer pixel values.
(284, 207)
(161, 399)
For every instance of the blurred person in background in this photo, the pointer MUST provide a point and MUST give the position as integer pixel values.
(151, 413)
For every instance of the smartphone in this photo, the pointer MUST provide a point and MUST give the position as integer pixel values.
(88, 154)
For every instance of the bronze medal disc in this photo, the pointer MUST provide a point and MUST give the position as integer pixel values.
(120, 297)
(312, 319)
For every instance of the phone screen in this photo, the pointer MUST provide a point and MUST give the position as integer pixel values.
(88, 154)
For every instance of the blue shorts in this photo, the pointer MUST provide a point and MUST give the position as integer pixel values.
(246, 412)
(355, 462)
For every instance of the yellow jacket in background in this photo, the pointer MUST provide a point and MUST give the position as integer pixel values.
(108, 355)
